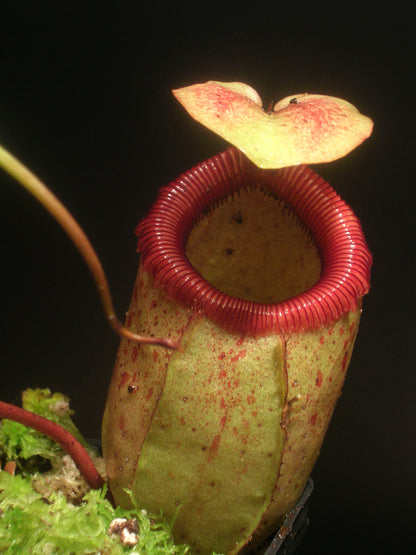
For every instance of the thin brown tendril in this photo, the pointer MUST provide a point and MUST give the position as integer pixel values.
(54, 206)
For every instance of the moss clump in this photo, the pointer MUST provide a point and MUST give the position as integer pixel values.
(30, 450)
(54, 512)
(40, 459)
(28, 524)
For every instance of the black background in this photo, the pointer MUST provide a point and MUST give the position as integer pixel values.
(85, 102)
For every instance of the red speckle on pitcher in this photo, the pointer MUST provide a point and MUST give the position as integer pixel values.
(134, 353)
(121, 423)
(319, 379)
(149, 393)
(129, 319)
(240, 354)
(213, 450)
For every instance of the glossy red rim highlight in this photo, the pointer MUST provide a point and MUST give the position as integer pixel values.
(337, 233)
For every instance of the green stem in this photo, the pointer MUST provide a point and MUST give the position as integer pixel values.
(54, 206)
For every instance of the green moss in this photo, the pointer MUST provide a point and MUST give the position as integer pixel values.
(28, 524)
(30, 450)
(54, 406)
(32, 521)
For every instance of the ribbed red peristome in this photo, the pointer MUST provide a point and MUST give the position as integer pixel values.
(337, 233)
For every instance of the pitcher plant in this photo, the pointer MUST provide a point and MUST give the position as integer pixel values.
(241, 324)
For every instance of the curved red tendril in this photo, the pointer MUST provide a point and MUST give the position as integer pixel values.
(59, 434)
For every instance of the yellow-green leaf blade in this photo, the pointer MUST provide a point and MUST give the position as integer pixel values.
(301, 129)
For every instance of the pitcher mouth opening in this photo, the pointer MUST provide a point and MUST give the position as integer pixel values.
(332, 259)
